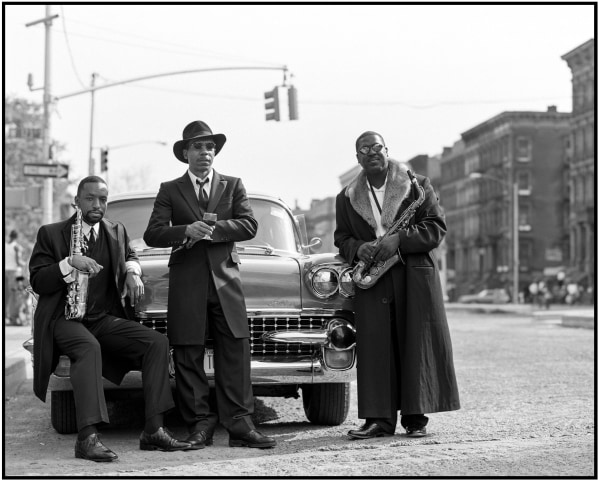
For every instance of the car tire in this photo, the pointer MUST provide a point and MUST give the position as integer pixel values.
(62, 412)
(326, 403)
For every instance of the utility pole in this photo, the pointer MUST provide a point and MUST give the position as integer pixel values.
(48, 198)
(92, 164)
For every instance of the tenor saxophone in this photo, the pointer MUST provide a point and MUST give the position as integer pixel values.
(366, 274)
(78, 288)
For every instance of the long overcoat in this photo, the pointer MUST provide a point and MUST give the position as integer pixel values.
(424, 376)
(175, 207)
(53, 245)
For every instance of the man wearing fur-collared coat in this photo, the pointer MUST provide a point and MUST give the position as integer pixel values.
(404, 352)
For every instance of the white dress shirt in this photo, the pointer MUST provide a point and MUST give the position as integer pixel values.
(380, 193)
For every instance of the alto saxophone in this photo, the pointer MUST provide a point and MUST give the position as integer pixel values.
(366, 274)
(78, 289)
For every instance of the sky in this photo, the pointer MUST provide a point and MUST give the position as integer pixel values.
(418, 74)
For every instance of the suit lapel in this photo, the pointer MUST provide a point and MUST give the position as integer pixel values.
(66, 232)
(189, 194)
(218, 187)
(112, 240)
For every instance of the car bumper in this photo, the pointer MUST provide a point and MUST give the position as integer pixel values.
(264, 373)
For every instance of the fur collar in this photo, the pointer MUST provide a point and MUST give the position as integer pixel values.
(396, 190)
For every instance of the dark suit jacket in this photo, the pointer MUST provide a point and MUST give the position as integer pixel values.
(175, 207)
(53, 245)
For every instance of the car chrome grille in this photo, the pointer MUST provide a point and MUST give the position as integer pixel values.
(264, 324)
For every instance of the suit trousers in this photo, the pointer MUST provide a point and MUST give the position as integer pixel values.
(86, 343)
(233, 386)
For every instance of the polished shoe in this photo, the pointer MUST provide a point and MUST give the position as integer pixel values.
(369, 430)
(253, 439)
(90, 448)
(163, 440)
(416, 432)
(200, 439)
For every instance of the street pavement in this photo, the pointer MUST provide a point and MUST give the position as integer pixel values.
(18, 366)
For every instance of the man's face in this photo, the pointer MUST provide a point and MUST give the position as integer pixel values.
(372, 162)
(200, 155)
(92, 201)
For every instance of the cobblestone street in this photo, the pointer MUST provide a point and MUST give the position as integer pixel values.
(527, 394)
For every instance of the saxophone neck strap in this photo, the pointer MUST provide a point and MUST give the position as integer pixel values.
(374, 197)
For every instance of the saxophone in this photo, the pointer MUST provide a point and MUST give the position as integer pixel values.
(366, 274)
(78, 289)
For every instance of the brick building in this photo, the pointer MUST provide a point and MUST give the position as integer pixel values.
(522, 148)
(579, 159)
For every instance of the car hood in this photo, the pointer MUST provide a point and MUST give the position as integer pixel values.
(271, 283)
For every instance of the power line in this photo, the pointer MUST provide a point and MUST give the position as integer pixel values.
(180, 49)
(64, 24)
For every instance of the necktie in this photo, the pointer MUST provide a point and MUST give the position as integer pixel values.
(91, 240)
(202, 195)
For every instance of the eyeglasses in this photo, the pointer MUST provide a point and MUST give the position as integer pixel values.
(366, 149)
(208, 146)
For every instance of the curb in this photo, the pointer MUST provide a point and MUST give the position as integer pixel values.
(578, 321)
(15, 374)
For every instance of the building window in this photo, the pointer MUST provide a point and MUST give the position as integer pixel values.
(523, 149)
(524, 217)
(524, 183)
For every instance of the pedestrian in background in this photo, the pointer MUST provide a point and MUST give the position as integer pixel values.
(102, 343)
(205, 289)
(404, 352)
(13, 273)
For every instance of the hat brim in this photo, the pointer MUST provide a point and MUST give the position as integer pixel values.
(179, 146)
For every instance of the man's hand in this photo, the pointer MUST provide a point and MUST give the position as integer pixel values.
(83, 263)
(134, 288)
(198, 230)
(379, 251)
(386, 248)
(365, 251)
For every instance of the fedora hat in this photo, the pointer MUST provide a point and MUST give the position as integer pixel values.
(197, 130)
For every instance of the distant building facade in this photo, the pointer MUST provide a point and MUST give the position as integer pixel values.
(526, 148)
(579, 157)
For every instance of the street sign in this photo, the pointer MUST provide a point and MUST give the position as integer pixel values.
(46, 170)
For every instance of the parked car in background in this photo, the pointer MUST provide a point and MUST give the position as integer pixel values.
(494, 296)
(298, 304)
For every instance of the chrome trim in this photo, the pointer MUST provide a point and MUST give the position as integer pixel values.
(262, 373)
(303, 337)
(150, 314)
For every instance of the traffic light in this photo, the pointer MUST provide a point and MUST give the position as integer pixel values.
(104, 159)
(272, 104)
(293, 102)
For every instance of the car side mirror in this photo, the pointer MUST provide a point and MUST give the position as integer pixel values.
(314, 244)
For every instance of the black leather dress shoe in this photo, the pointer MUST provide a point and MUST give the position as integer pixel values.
(163, 440)
(90, 448)
(369, 430)
(416, 432)
(253, 439)
(200, 439)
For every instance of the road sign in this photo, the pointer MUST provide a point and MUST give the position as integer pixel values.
(46, 170)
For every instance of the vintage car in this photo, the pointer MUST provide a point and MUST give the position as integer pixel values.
(493, 296)
(299, 312)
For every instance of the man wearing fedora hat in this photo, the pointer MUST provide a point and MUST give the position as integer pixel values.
(205, 289)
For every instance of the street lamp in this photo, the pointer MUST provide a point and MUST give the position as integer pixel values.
(514, 189)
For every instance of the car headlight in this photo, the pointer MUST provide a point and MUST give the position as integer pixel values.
(324, 281)
(346, 283)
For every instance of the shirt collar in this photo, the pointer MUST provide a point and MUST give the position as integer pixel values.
(86, 229)
(193, 177)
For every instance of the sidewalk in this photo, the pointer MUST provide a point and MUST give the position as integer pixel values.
(17, 360)
(572, 316)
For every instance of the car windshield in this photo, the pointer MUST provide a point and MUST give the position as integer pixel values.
(275, 225)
